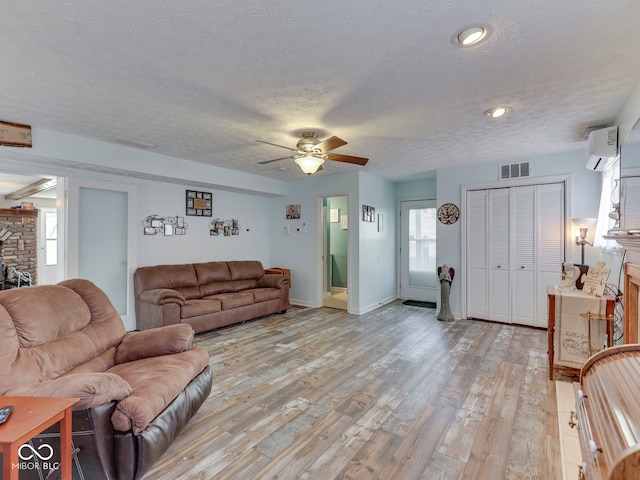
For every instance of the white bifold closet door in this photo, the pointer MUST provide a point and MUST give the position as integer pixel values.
(515, 248)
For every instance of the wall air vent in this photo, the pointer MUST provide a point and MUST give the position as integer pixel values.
(514, 170)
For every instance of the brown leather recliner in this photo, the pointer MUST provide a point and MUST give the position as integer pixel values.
(137, 390)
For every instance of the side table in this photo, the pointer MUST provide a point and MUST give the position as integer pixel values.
(31, 416)
(591, 304)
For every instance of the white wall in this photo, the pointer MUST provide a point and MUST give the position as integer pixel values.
(424, 189)
(54, 152)
(372, 278)
(197, 245)
(378, 249)
(583, 202)
(300, 250)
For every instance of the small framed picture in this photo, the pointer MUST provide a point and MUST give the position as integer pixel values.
(293, 212)
(149, 230)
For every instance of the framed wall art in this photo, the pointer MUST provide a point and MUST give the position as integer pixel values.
(368, 213)
(293, 212)
(199, 204)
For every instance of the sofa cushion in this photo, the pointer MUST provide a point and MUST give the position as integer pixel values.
(162, 296)
(200, 306)
(189, 292)
(92, 389)
(244, 284)
(264, 294)
(230, 301)
(155, 341)
(212, 272)
(181, 278)
(155, 382)
(243, 269)
(214, 277)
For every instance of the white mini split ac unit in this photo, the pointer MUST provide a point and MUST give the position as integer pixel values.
(603, 148)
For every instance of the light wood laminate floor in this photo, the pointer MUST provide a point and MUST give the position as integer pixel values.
(392, 394)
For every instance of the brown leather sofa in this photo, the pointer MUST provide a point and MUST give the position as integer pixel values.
(207, 295)
(137, 390)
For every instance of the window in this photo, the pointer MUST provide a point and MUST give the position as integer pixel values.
(609, 201)
(51, 238)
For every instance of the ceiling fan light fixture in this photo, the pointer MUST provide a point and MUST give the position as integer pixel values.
(470, 35)
(309, 164)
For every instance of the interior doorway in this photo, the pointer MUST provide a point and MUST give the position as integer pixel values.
(335, 249)
(47, 246)
(418, 271)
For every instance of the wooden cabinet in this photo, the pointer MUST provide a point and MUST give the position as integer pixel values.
(607, 414)
(572, 337)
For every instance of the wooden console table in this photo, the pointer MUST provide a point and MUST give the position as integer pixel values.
(31, 416)
(593, 304)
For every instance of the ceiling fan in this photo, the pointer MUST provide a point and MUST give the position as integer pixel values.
(310, 153)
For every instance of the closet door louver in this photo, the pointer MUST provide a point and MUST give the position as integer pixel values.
(524, 254)
(477, 305)
(550, 223)
(499, 255)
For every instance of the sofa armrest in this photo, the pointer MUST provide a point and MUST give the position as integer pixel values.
(162, 296)
(154, 342)
(92, 389)
(274, 281)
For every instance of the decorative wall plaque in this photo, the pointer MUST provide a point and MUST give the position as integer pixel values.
(15, 135)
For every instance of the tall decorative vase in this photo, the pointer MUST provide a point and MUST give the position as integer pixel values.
(445, 274)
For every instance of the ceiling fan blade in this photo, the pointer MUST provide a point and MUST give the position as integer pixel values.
(336, 157)
(276, 159)
(276, 145)
(330, 144)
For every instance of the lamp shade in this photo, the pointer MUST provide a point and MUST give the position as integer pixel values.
(309, 164)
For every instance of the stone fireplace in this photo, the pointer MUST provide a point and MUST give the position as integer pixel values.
(20, 250)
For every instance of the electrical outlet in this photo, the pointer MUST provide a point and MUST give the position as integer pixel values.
(286, 230)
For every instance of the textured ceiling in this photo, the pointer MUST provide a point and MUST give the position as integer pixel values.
(202, 80)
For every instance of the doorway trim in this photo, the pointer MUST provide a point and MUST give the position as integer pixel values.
(320, 242)
(72, 233)
(400, 242)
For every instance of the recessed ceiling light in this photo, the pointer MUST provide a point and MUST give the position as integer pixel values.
(497, 112)
(470, 35)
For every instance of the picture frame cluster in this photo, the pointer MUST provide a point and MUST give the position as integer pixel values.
(226, 228)
(199, 204)
(155, 224)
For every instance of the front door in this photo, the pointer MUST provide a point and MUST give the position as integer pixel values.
(418, 271)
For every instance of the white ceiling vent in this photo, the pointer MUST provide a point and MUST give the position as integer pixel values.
(514, 170)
